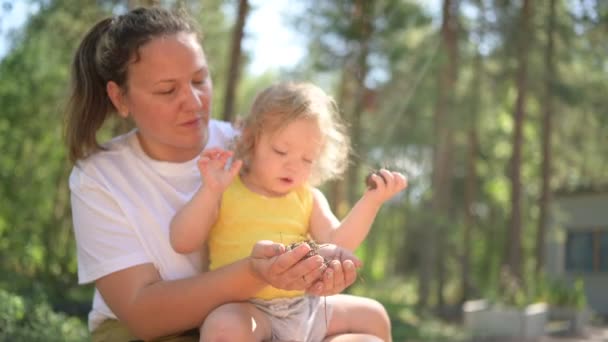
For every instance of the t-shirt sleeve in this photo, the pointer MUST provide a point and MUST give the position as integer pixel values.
(223, 133)
(105, 240)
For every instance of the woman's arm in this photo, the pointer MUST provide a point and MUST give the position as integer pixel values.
(151, 307)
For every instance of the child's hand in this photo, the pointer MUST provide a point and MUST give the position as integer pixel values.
(387, 184)
(212, 166)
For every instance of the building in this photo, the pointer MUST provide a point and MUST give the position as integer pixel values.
(577, 243)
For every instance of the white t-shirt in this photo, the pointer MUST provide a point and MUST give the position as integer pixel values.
(122, 205)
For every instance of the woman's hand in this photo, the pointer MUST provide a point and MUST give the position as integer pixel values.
(341, 273)
(288, 270)
(283, 269)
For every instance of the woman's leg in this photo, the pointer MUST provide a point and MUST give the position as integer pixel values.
(114, 330)
(236, 322)
(357, 319)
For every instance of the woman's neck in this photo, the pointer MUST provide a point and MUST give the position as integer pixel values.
(169, 153)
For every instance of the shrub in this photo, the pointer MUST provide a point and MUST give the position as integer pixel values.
(34, 320)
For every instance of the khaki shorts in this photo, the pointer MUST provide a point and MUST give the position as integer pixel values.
(112, 330)
(299, 319)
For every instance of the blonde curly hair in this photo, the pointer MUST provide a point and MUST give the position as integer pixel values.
(283, 103)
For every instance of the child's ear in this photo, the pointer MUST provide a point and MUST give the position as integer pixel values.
(248, 137)
(245, 132)
(238, 123)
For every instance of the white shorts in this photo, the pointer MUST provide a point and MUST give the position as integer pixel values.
(299, 319)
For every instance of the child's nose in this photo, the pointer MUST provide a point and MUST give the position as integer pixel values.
(291, 164)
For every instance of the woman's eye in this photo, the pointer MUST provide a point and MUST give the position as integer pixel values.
(307, 161)
(166, 92)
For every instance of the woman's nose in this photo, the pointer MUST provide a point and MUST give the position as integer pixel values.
(193, 98)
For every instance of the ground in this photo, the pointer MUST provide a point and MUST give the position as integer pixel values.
(592, 334)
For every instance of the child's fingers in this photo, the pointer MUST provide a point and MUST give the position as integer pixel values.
(202, 162)
(220, 159)
(381, 178)
(210, 167)
(388, 182)
(396, 182)
(387, 176)
(216, 153)
(211, 153)
(401, 180)
(203, 167)
(235, 168)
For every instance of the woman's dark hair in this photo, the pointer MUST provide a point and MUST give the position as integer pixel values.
(104, 55)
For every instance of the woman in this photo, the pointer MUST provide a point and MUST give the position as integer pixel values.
(149, 67)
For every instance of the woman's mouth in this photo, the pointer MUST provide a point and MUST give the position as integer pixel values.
(192, 123)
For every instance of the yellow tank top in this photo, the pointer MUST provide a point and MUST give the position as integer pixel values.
(246, 217)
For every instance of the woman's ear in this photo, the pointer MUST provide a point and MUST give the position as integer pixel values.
(116, 96)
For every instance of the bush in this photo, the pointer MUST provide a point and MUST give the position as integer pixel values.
(25, 320)
(561, 294)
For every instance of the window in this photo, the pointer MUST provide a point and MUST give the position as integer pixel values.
(587, 250)
(604, 252)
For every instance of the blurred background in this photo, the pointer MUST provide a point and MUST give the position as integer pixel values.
(496, 110)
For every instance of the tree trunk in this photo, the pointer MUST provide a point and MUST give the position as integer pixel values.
(442, 163)
(545, 198)
(363, 14)
(469, 220)
(235, 61)
(514, 243)
(337, 191)
(470, 190)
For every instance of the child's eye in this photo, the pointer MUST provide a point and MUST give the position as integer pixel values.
(279, 152)
(307, 161)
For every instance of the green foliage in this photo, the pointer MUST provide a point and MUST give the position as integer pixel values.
(555, 292)
(398, 297)
(510, 292)
(216, 29)
(37, 244)
(33, 320)
(559, 293)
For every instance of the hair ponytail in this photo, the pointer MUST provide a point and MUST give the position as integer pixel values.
(89, 105)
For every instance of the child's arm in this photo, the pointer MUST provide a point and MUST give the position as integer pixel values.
(191, 224)
(325, 227)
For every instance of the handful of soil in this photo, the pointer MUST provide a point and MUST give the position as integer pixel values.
(314, 248)
(368, 179)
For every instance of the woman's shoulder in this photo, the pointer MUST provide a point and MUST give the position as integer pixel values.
(221, 133)
(115, 153)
